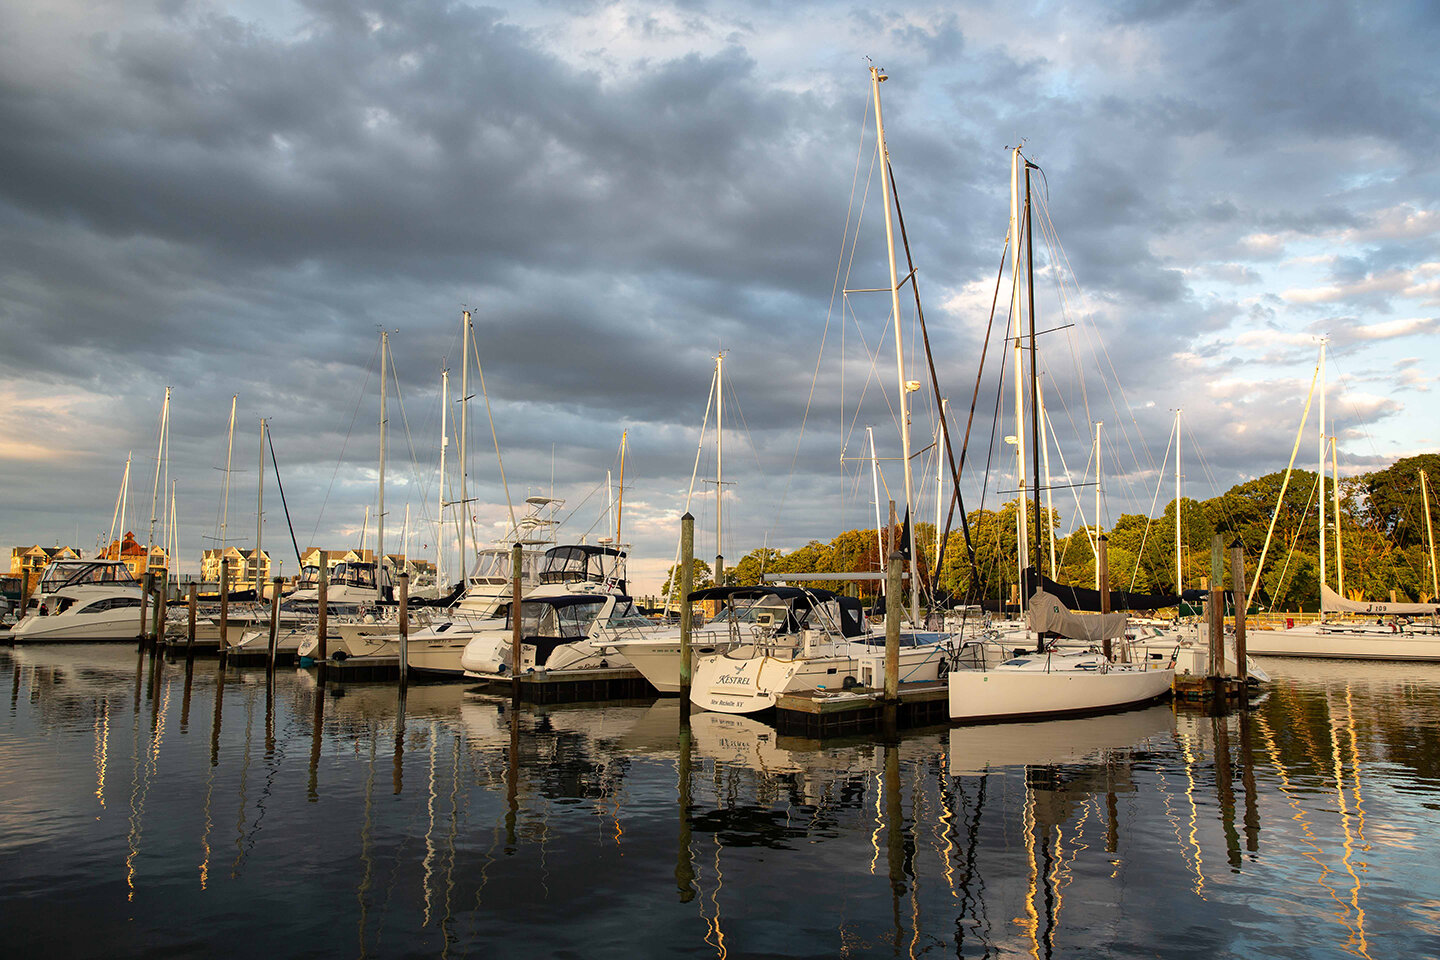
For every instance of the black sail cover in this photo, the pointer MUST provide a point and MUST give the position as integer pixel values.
(1083, 598)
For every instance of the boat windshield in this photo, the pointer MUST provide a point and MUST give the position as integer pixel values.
(61, 573)
(582, 563)
(572, 620)
(492, 567)
(355, 574)
(625, 616)
(309, 577)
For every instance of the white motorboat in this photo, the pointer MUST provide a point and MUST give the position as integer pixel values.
(464, 643)
(82, 600)
(656, 652)
(350, 587)
(559, 631)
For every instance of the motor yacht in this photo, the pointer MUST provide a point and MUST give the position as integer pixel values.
(82, 600)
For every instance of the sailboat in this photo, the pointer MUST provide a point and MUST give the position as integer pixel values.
(1053, 680)
(1393, 634)
(832, 645)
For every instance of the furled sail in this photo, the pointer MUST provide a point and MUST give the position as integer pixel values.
(1332, 602)
(1048, 614)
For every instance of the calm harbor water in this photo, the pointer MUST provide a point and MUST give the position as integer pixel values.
(150, 810)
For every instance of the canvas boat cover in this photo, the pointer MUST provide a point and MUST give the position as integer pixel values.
(1084, 598)
(1332, 602)
(1049, 615)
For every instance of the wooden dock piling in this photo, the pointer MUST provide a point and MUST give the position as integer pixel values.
(274, 623)
(224, 604)
(687, 625)
(894, 607)
(516, 610)
(157, 635)
(190, 602)
(404, 612)
(1237, 577)
(322, 621)
(144, 607)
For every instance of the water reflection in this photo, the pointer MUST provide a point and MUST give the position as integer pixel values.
(1297, 828)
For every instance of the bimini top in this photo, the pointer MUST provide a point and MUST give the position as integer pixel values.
(71, 573)
(584, 562)
(800, 601)
(762, 590)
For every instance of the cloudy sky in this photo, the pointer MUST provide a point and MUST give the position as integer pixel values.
(236, 198)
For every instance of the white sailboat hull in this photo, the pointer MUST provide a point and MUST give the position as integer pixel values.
(979, 696)
(1339, 644)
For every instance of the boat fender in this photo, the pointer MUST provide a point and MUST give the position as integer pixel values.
(340, 656)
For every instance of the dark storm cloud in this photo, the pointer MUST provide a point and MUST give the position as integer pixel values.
(232, 207)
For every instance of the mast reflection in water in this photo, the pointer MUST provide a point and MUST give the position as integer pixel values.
(347, 820)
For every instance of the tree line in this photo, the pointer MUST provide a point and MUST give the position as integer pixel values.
(1383, 544)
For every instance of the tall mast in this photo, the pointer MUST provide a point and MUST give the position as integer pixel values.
(119, 515)
(464, 433)
(125, 493)
(1044, 439)
(876, 78)
(620, 507)
(155, 493)
(260, 508)
(1430, 536)
(939, 486)
(1022, 538)
(229, 452)
(380, 514)
(719, 460)
(875, 482)
(1339, 548)
(1179, 569)
(1034, 363)
(1099, 527)
(172, 548)
(1320, 468)
(440, 506)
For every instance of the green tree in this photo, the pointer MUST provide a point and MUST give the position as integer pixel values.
(700, 571)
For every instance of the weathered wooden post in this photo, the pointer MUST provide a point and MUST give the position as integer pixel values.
(404, 627)
(1237, 576)
(190, 602)
(322, 620)
(517, 557)
(144, 607)
(162, 584)
(1217, 606)
(891, 535)
(274, 622)
(894, 609)
(1104, 562)
(687, 581)
(224, 602)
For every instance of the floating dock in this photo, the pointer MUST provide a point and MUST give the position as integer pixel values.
(821, 713)
(576, 686)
